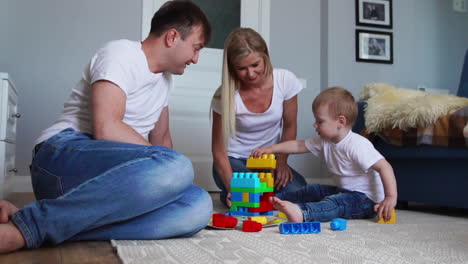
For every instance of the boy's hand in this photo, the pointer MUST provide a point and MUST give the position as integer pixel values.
(258, 152)
(384, 208)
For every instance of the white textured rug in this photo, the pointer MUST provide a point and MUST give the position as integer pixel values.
(418, 237)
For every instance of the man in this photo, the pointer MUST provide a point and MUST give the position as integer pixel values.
(105, 169)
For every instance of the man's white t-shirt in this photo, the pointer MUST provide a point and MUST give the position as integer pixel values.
(123, 63)
(350, 161)
(255, 130)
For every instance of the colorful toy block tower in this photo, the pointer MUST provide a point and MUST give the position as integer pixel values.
(251, 191)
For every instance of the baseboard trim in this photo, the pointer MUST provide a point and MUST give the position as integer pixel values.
(21, 184)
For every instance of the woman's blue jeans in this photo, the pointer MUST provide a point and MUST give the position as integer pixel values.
(239, 165)
(100, 190)
(325, 202)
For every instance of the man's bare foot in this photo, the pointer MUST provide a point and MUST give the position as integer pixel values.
(11, 238)
(291, 210)
(6, 209)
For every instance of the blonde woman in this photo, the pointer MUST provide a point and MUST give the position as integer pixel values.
(255, 106)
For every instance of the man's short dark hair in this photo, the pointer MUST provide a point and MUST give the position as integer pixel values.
(182, 16)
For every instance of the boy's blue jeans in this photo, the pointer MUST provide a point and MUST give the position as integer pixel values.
(239, 165)
(99, 190)
(325, 202)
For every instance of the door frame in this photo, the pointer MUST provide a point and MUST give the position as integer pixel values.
(254, 14)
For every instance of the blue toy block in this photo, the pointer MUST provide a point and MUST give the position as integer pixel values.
(236, 196)
(245, 180)
(300, 228)
(254, 197)
(338, 224)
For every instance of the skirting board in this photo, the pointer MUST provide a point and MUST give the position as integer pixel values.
(21, 184)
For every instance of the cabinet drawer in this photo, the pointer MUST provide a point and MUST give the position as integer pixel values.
(8, 112)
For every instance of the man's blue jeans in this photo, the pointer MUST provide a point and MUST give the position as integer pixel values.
(239, 165)
(99, 190)
(325, 202)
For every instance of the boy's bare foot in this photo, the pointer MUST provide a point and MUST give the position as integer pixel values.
(11, 238)
(291, 210)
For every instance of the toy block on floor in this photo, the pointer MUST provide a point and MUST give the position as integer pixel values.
(338, 224)
(300, 228)
(391, 221)
(251, 226)
(224, 221)
(267, 161)
(260, 219)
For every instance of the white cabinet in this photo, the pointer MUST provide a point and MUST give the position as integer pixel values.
(8, 119)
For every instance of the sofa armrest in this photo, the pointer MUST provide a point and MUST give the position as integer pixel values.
(359, 125)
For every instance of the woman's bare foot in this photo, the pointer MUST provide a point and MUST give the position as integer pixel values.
(291, 210)
(11, 238)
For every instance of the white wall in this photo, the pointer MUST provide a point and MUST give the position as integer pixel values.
(430, 40)
(295, 45)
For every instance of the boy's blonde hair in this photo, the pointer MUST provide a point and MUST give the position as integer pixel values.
(340, 103)
(239, 44)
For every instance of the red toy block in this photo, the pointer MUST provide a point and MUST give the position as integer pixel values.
(224, 221)
(251, 226)
(264, 207)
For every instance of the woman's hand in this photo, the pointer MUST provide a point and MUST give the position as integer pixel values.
(283, 175)
(228, 199)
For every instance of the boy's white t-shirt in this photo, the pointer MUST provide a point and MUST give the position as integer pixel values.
(255, 130)
(350, 161)
(123, 63)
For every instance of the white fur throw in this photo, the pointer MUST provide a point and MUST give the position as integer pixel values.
(390, 107)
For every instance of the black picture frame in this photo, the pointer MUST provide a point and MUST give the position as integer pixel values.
(374, 46)
(374, 13)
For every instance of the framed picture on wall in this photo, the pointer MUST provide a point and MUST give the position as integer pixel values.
(374, 13)
(374, 46)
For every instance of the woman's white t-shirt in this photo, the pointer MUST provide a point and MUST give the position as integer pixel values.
(255, 130)
(123, 63)
(350, 161)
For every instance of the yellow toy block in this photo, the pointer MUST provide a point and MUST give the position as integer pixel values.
(267, 178)
(282, 215)
(259, 219)
(267, 161)
(391, 221)
(245, 197)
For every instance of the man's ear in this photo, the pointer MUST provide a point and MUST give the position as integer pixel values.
(342, 120)
(171, 37)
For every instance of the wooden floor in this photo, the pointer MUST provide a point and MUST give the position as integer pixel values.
(67, 253)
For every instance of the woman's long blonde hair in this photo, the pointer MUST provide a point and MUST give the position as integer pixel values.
(239, 44)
